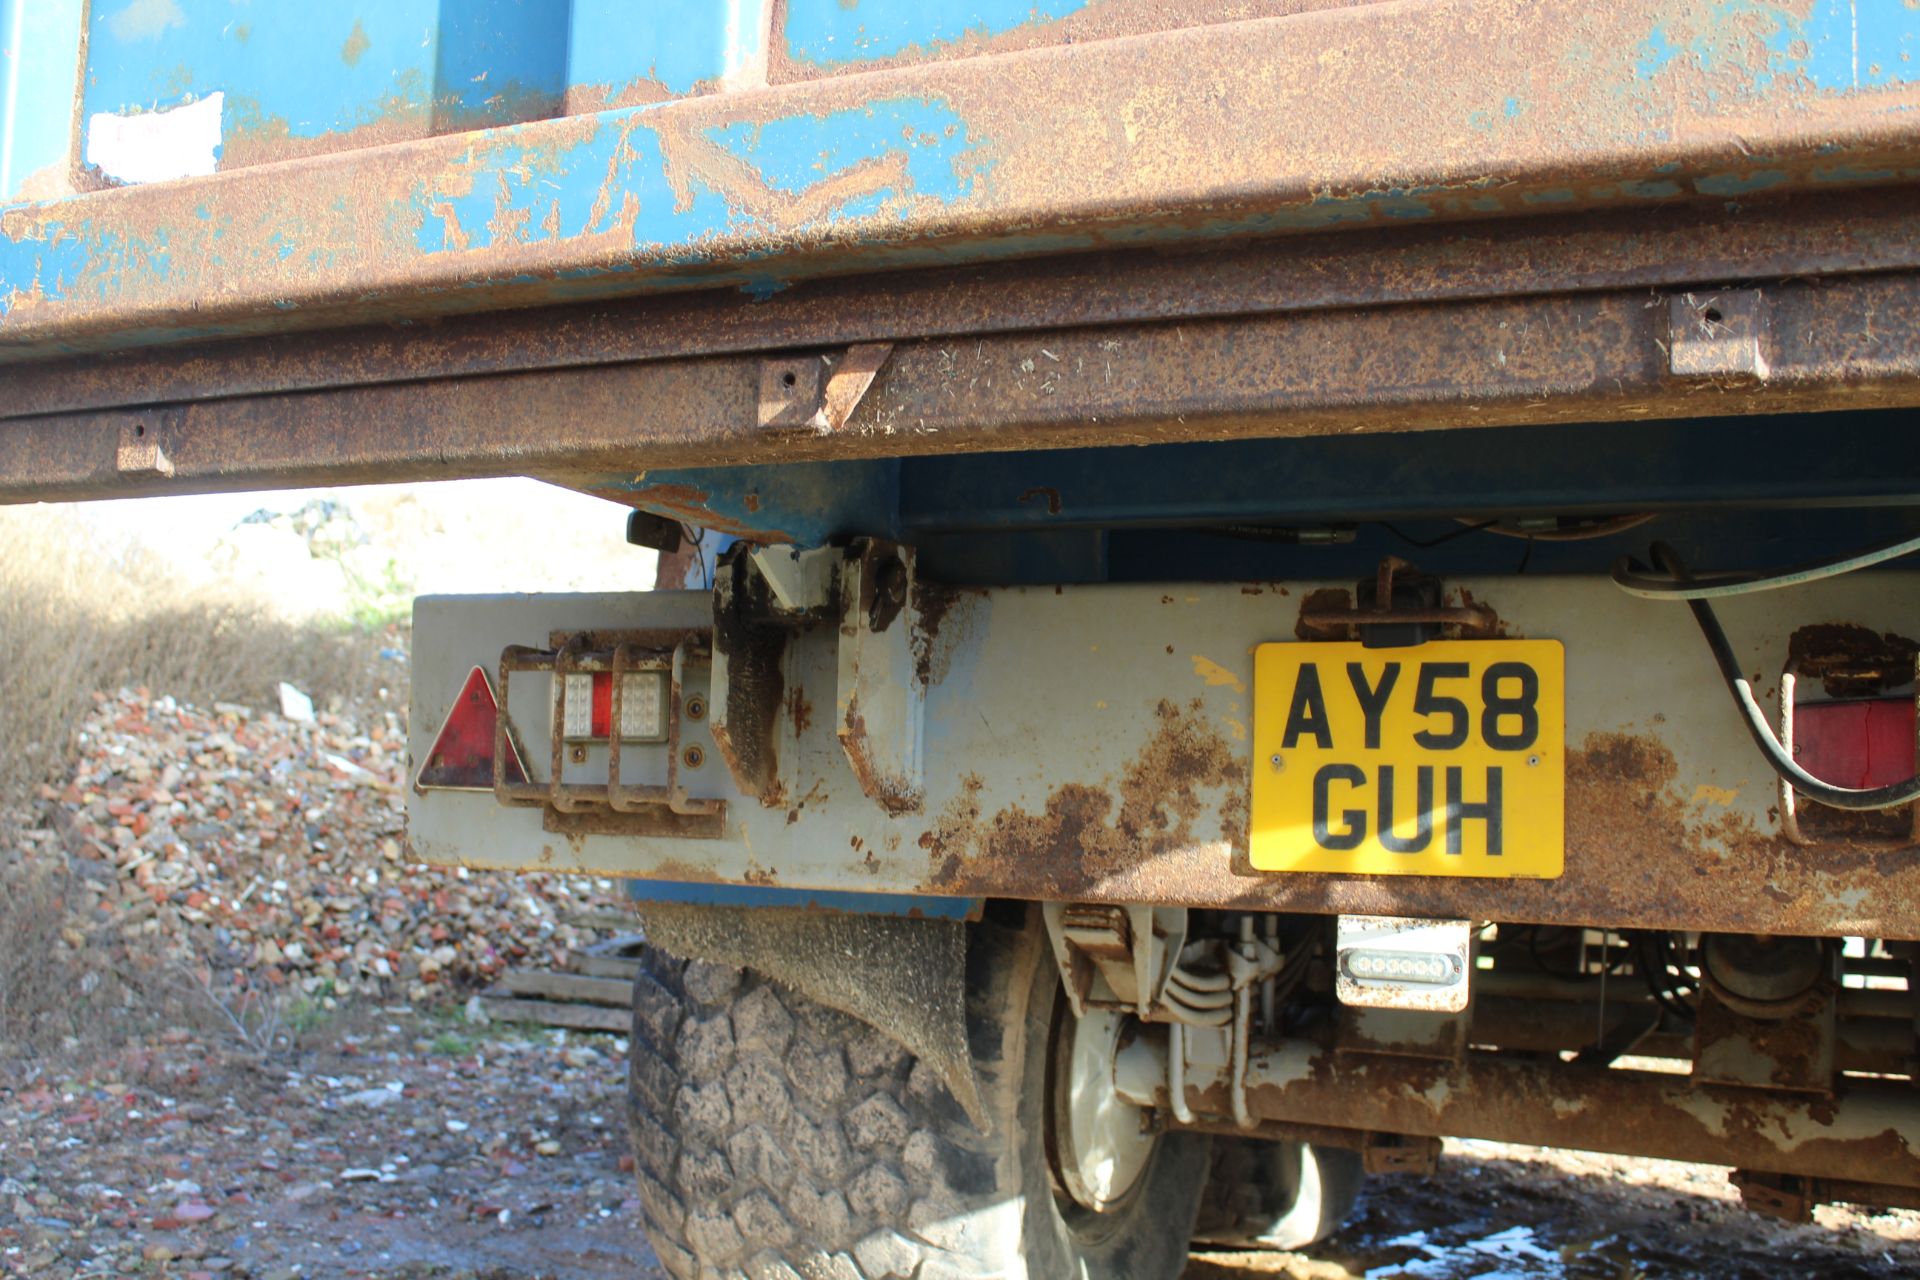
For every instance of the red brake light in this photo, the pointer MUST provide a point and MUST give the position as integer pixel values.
(1868, 743)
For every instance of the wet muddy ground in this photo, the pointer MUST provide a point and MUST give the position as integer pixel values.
(415, 1145)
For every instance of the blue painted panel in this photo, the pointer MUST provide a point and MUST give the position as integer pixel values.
(746, 895)
(831, 32)
(809, 503)
(302, 66)
(676, 45)
(304, 71)
(39, 57)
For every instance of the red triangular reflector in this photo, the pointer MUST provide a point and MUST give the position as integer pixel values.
(461, 758)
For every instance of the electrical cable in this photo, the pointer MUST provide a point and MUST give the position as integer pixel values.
(1890, 796)
(1630, 579)
(1448, 536)
(1598, 527)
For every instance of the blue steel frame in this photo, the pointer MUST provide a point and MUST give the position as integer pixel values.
(1758, 490)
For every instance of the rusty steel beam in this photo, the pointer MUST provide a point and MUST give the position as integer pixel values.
(1867, 1131)
(1358, 114)
(1841, 342)
(1662, 247)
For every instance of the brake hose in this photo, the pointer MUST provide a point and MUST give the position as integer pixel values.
(1890, 796)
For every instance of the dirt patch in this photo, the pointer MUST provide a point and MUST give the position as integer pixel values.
(1495, 1210)
(387, 1153)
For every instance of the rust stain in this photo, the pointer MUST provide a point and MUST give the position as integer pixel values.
(932, 651)
(1173, 827)
(1321, 600)
(1052, 496)
(356, 46)
(1081, 835)
(800, 711)
(1590, 1109)
(892, 794)
(1850, 660)
(688, 504)
(677, 869)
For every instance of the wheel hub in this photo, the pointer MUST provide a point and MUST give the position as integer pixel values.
(1101, 1141)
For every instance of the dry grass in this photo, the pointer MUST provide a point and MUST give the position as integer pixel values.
(77, 618)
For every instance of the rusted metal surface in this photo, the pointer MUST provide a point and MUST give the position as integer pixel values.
(1670, 245)
(810, 43)
(1718, 333)
(1868, 1131)
(1335, 615)
(1845, 342)
(1267, 125)
(1794, 1199)
(1138, 791)
(1879, 1046)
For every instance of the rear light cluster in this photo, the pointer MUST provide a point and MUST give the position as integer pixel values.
(589, 707)
(1859, 744)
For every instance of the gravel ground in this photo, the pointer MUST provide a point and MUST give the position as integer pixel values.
(412, 1144)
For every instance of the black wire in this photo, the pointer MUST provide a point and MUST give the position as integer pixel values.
(1891, 796)
(1526, 558)
(1448, 536)
(1651, 958)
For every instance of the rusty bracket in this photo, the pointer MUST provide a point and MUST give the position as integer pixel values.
(616, 806)
(142, 450)
(1718, 335)
(1399, 1153)
(1114, 956)
(1783, 1195)
(816, 395)
(1378, 608)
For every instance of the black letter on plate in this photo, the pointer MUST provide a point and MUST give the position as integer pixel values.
(1308, 714)
(1459, 812)
(1428, 701)
(1423, 811)
(1356, 819)
(1372, 701)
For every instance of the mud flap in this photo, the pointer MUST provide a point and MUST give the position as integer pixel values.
(903, 977)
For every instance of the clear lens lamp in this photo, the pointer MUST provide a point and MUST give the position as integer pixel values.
(589, 711)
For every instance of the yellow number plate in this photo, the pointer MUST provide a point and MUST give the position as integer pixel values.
(1442, 759)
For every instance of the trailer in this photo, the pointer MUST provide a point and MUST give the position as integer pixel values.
(1244, 587)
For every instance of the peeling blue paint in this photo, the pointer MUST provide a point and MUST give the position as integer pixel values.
(79, 260)
(812, 503)
(1838, 46)
(1738, 184)
(506, 193)
(516, 194)
(795, 154)
(834, 32)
